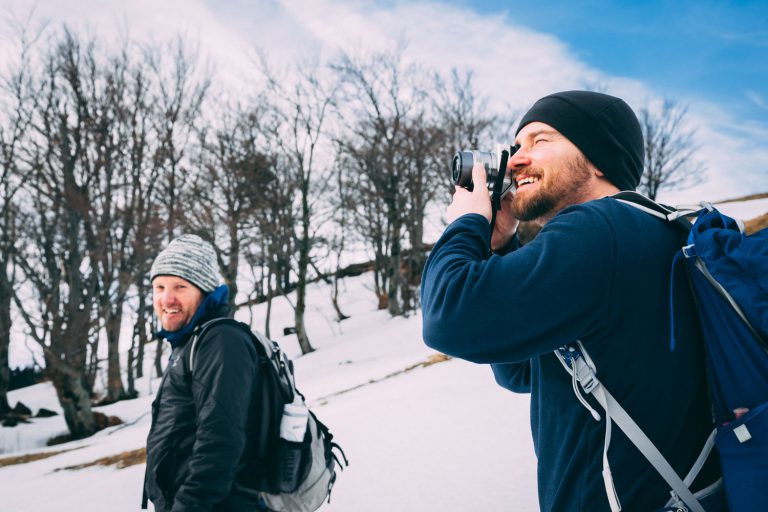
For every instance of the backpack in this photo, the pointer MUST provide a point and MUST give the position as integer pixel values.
(293, 464)
(728, 274)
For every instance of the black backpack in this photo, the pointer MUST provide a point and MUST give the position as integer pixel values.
(283, 475)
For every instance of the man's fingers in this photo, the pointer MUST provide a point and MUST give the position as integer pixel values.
(479, 178)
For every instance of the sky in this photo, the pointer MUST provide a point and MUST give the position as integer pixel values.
(708, 56)
(704, 50)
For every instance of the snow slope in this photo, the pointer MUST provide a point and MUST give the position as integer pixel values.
(438, 438)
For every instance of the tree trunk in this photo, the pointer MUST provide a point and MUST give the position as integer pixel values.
(340, 316)
(393, 272)
(73, 397)
(140, 329)
(92, 370)
(301, 286)
(5, 338)
(159, 357)
(131, 391)
(269, 314)
(115, 389)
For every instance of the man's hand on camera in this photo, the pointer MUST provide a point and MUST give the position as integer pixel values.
(506, 224)
(477, 201)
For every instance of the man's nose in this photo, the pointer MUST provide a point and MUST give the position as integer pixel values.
(167, 297)
(518, 160)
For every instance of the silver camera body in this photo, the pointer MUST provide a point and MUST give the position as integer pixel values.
(464, 161)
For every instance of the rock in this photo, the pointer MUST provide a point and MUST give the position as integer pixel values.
(45, 413)
(22, 409)
(12, 421)
(103, 421)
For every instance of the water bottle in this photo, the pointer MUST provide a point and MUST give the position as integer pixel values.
(293, 424)
(291, 450)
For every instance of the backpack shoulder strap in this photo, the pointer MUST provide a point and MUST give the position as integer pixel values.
(203, 329)
(577, 362)
(658, 210)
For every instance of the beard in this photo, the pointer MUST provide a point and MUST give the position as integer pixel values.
(557, 189)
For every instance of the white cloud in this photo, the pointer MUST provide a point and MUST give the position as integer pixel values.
(757, 98)
(512, 65)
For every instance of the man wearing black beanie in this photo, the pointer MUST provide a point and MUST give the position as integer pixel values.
(598, 273)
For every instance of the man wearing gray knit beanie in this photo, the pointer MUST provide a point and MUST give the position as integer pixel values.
(598, 273)
(197, 440)
(188, 258)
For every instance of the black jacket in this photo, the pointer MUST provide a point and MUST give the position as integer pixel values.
(198, 436)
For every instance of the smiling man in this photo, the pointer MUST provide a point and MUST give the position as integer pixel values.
(197, 441)
(598, 272)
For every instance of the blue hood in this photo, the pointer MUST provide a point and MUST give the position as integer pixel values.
(211, 305)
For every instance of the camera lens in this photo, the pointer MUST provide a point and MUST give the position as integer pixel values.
(461, 171)
(456, 169)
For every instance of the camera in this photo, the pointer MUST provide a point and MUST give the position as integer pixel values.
(463, 161)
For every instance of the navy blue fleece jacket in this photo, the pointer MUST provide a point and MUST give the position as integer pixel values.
(597, 272)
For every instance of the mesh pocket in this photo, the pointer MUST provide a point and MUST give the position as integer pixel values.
(293, 460)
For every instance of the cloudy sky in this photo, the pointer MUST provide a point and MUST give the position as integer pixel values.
(710, 56)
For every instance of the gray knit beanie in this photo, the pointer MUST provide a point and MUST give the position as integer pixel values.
(190, 258)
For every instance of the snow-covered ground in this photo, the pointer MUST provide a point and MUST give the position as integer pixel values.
(442, 437)
(437, 438)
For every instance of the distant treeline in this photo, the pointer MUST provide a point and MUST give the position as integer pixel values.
(23, 377)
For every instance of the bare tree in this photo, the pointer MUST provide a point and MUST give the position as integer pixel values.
(670, 162)
(340, 202)
(304, 102)
(382, 93)
(277, 240)
(53, 253)
(178, 98)
(180, 92)
(464, 114)
(99, 87)
(425, 165)
(15, 119)
(227, 191)
(132, 212)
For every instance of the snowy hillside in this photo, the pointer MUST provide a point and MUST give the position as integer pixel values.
(419, 438)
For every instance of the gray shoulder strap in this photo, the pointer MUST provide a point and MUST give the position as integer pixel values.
(583, 372)
(203, 329)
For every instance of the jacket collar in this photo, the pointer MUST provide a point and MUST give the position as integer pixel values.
(213, 306)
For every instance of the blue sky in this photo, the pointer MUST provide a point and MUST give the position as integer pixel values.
(688, 50)
(708, 56)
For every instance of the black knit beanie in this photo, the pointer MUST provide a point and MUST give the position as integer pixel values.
(603, 127)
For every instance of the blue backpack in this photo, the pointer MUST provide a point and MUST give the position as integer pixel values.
(728, 273)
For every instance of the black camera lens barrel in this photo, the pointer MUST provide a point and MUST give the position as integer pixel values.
(461, 173)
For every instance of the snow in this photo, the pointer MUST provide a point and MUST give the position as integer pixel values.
(442, 437)
(439, 437)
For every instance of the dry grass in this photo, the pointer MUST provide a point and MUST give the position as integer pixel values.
(433, 359)
(752, 197)
(32, 457)
(121, 460)
(756, 224)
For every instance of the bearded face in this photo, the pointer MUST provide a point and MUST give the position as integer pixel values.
(543, 192)
(550, 173)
